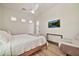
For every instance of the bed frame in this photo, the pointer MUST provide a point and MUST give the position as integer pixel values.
(32, 51)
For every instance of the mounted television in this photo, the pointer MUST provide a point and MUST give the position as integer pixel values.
(54, 23)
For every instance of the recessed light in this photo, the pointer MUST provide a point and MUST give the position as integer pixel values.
(13, 18)
(30, 21)
(23, 20)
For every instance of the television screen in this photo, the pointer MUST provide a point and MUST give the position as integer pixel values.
(53, 23)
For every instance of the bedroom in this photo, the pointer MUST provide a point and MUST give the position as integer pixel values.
(30, 21)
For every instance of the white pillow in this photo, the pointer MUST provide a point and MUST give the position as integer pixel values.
(4, 36)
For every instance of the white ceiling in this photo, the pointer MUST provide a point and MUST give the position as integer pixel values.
(29, 6)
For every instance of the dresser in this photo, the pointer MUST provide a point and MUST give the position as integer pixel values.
(54, 37)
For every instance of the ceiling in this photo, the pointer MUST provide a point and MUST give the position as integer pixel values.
(29, 6)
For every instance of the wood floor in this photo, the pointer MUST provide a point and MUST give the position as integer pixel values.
(52, 50)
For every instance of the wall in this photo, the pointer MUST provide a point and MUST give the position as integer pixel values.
(68, 13)
(18, 26)
(69, 18)
(1, 17)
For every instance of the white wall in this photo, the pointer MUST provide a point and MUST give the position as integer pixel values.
(69, 15)
(18, 26)
(1, 17)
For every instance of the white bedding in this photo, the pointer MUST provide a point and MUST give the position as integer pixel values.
(22, 43)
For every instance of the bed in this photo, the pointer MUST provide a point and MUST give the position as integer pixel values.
(70, 47)
(20, 45)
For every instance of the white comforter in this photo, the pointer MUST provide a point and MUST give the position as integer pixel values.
(22, 43)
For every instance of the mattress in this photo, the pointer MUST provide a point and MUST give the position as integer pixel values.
(24, 42)
(20, 44)
(5, 50)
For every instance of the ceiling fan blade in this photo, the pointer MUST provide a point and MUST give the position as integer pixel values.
(36, 7)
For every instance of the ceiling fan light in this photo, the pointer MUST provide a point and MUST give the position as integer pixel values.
(33, 12)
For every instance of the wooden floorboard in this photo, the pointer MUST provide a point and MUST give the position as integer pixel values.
(52, 50)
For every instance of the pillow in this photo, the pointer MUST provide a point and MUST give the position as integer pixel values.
(4, 36)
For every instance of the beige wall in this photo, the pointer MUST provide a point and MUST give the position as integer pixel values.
(1, 17)
(18, 26)
(69, 18)
(68, 13)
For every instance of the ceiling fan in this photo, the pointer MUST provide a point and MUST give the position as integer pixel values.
(32, 10)
(35, 8)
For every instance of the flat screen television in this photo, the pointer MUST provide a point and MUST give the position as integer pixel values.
(54, 23)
